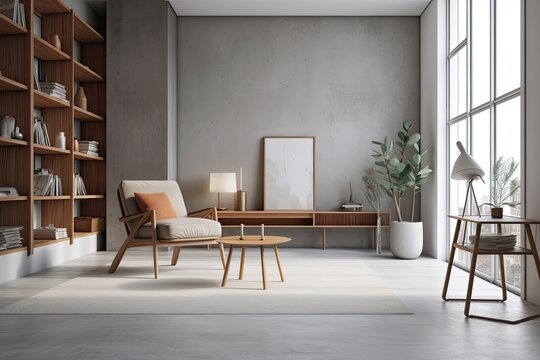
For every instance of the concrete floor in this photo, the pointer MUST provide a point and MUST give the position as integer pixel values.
(437, 330)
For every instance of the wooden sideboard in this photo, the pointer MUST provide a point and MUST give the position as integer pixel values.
(304, 219)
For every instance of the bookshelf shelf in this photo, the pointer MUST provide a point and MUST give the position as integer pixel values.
(4, 141)
(49, 150)
(84, 33)
(89, 197)
(85, 74)
(13, 198)
(9, 27)
(44, 101)
(45, 242)
(50, 7)
(45, 51)
(12, 251)
(79, 235)
(82, 156)
(52, 198)
(84, 115)
(6, 84)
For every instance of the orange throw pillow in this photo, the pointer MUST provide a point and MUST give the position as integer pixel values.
(156, 201)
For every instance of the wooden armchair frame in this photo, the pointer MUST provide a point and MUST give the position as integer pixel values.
(139, 219)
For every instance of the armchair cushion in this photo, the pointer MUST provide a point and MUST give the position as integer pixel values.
(185, 228)
(156, 201)
(129, 187)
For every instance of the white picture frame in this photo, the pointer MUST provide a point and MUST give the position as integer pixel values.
(289, 173)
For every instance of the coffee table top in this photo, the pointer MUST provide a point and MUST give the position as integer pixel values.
(253, 240)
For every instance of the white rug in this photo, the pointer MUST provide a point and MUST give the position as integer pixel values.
(319, 284)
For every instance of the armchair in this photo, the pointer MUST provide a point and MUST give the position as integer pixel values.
(142, 228)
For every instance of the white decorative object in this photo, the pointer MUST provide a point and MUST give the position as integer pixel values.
(7, 126)
(222, 183)
(60, 140)
(467, 168)
(241, 231)
(289, 167)
(262, 231)
(406, 239)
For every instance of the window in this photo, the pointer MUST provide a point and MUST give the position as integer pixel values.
(484, 109)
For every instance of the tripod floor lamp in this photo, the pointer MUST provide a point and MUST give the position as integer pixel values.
(467, 168)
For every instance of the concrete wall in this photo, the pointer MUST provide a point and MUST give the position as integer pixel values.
(346, 81)
(532, 127)
(433, 125)
(138, 98)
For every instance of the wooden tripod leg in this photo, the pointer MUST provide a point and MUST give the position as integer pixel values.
(451, 260)
(222, 254)
(503, 277)
(533, 248)
(227, 267)
(472, 271)
(175, 255)
(279, 263)
(263, 268)
(242, 257)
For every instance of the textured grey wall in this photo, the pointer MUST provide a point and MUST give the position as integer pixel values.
(344, 80)
(138, 102)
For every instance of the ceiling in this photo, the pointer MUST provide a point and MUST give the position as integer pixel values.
(299, 7)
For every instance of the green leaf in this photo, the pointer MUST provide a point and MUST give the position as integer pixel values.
(376, 142)
(413, 139)
(393, 162)
(384, 148)
(407, 125)
(379, 163)
(425, 171)
(417, 148)
(401, 136)
(416, 159)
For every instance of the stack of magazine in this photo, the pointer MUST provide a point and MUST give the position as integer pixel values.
(47, 184)
(14, 10)
(41, 136)
(49, 232)
(89, 147)
(54, 89)
(78, 185)
(495, 241)
(10, 237)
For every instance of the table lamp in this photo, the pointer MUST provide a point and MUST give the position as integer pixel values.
(467, 168)
(222, 183)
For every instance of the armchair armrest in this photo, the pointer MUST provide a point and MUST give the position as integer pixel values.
(147, 214)
(209, 213)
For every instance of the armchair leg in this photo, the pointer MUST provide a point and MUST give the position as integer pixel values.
(119, 255)
(154, 248)
(175, 255)
(222, 254)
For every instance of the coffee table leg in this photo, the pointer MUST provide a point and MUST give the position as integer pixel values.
(263, 269)
(279, 263)
(224, 281)
(241, 275)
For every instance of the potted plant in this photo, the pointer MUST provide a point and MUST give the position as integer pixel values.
(505, 185)
(374, 194)
(400, 172)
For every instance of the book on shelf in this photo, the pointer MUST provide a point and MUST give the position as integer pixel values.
(495, 241)
(47, 184)
(50, 232)
(8, 191)
(10, 237)
(13, 10)
(78, 185)
(41, 135)
(53, 89)
(89, 147)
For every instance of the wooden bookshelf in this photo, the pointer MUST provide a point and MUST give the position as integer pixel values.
(18, 98)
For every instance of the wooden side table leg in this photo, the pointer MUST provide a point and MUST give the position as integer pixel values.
(263, 268)
(279, 263)
(503, 277)
(533, 247)
(226, 272)
(451, 260)
(472, 271)
(241, 275)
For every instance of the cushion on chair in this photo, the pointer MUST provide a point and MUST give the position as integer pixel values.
(182, 228)
(129, 187)
(156, 201)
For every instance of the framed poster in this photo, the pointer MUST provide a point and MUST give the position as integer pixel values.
(289, 173)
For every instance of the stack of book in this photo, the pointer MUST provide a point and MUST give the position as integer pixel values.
(54, 89)
(89, 147)
(49, 232)
(495, 241)
(78, 185)
(10, 237)
(47, 184)
(8, 191)
(41, 136)
(14, 10)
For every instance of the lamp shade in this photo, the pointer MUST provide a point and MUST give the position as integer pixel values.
(465, 167)
(223, 182)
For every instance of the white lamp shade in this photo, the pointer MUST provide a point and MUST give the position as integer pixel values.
(465, 167)
(223, 182)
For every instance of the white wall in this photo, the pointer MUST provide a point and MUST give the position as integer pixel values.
(433, 125)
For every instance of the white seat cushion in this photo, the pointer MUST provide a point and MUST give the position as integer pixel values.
(182, 228)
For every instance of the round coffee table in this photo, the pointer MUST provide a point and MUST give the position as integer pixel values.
(251, 240)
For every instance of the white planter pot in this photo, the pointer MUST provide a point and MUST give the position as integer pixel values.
(406, 239)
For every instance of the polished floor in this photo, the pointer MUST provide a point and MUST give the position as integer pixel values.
(437, 330)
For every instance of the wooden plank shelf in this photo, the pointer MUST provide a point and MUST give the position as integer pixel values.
(45, 242)
(6, 84)
(85, 74)
(85, 115)
(42, 100)
(82, 156)
(89, 197)
(4, 141)
(45, 51)
(84, 33)
(13, 198)
(51, 198)
(12, 251)
(49, 150)
(79, 235)
(9, 27)
(50, 7)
